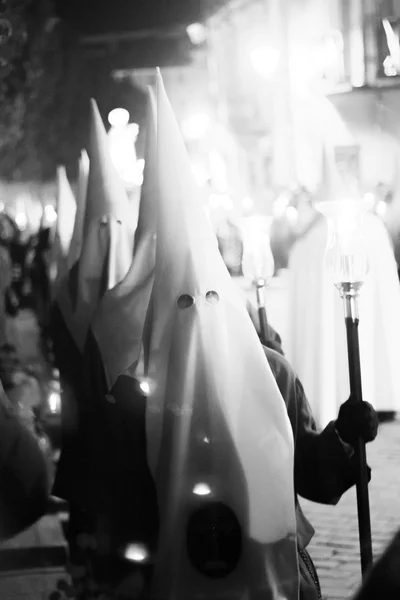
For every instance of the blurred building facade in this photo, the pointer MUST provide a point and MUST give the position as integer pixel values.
(272, 81)
(296, 74)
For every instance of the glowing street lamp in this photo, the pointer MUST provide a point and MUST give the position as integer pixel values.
(347, 262)
(258, 263)
(118, 117)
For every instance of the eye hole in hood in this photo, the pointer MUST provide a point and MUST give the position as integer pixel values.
(212, 297)
(185, 301)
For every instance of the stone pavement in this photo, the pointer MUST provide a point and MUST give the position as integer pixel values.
(335, 548)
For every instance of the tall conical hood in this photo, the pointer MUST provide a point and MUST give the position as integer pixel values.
(108, 233)
(106, 194)
(66, 210)
(76, 241)
(119, 320)
(220, 444)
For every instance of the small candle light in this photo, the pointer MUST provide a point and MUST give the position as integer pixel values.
(346, 254)
(258, 262)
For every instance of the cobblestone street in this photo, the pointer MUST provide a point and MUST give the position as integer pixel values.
(335, 548)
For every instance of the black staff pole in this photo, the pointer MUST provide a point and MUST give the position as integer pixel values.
(262, 312)
(349, 293)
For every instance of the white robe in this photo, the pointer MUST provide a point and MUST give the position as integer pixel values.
(316, 342)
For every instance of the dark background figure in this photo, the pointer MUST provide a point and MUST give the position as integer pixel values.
(19, 248)
(40, 278)
(9, 304)
(383, 580)
(24, 481)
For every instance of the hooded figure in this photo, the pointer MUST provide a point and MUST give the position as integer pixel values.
(218, 432)
(120, 316)
(77, 234)
(121, 492)
(316, 346)
(102, 247)
(66, 210)
(107, 237)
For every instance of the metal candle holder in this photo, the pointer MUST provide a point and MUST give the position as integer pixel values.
(347, 262)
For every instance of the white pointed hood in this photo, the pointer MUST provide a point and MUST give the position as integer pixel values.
(77, 235)
(219, 438)
(108, 233)
(66, 210)
(119, 320)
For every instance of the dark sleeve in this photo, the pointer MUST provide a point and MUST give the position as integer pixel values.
(274, 341)
(24, 483)
(324, 466)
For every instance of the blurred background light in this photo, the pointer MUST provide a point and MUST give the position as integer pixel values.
(197, 33)
(136, 553)
(49, 214)
(195, 127)
(265, 60)
(118, 117)
(202, 489)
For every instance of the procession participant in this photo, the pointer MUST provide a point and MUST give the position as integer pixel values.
(205, 378)
(316, 342)
(66, 211)
(102, 248)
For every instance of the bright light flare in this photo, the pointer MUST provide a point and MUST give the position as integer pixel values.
(21, 220)
(50, 214)
(196, 126)
(265, 61)
(197, 33)
(54, 403)
(202, 489)
(118, 117)
(346, 254)
(136, 553)
(145, 387)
